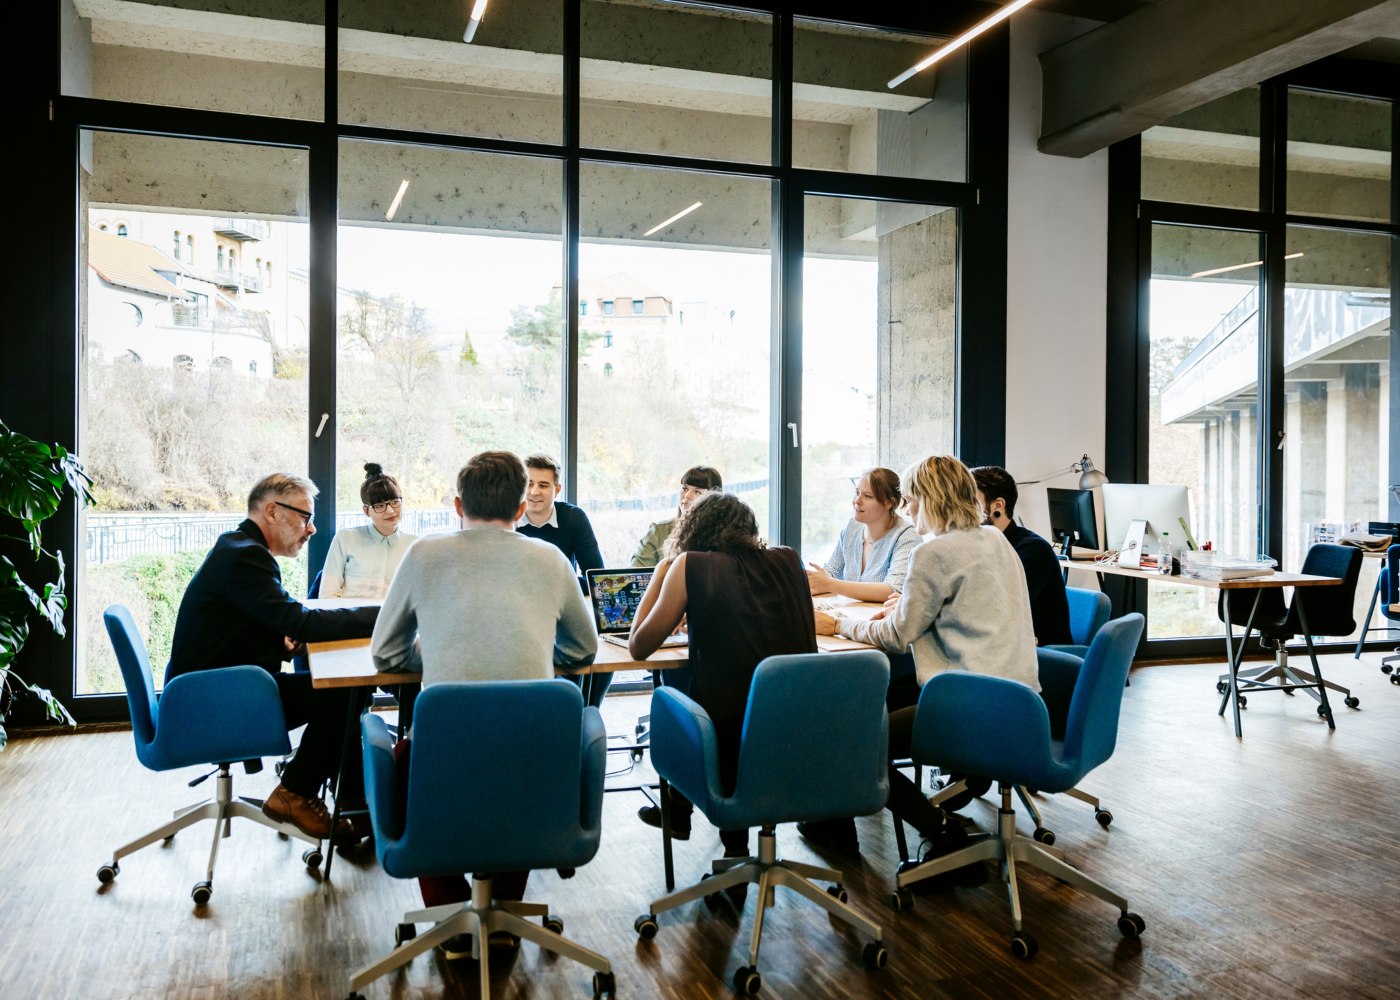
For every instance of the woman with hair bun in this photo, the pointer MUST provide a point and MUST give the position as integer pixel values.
(362, 560)
(872, 555)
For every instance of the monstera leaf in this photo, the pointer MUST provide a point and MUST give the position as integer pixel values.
(32, 480)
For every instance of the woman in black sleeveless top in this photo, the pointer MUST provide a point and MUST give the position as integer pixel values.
(742, 602)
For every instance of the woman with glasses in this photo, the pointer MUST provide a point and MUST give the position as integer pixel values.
(695, 483)
(362, 560)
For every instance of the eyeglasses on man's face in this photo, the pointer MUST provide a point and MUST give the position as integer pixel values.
(306, 515)
(393, 504)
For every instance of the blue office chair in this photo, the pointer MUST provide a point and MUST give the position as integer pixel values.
(1088, 611)
(1389, 587)
(989, 725)
(1313, 611)
(815, 743)
(481, 800)
(300, 663)
(215, 717)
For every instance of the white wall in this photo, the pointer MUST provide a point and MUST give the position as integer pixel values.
(1056, 263)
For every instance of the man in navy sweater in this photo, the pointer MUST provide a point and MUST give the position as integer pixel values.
(567, 528)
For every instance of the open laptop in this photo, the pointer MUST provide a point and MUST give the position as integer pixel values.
(615, 595)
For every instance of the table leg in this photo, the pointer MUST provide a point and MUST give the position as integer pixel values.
(1232, 693)
(1298, 603)
(357, 704)
(1366, 625)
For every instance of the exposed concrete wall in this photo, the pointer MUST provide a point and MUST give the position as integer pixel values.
(916, 343)
(1056, 304)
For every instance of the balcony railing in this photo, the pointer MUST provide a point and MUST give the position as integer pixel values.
(229, 278)
(189, 316)
(245, 230)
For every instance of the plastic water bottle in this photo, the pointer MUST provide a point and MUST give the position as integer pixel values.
(1164, 554)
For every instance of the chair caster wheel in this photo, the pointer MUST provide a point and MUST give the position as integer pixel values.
(901, 901)
(1386, 668)
(636, 755)
(1222, 686)
(1244, 702)
(201, 893)
(554, 924)
(1130, 925)
(604, 985)
(106, 873)
(1104, 817)
(1352, 702)
(1322, 712)
(403, 933)
(1044, 836)
(875, 955)
(1395, 678)
(1023, 946)
(645, 926)
(747, 981)
(838, 892)
(167, 841)
(312, 857)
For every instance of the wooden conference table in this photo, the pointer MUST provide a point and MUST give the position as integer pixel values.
(1258, 585)
(347, 663)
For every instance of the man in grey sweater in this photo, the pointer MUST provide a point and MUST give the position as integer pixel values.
(485, 603)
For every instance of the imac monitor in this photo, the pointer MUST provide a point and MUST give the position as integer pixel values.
(1164, 508)
(1072, 520)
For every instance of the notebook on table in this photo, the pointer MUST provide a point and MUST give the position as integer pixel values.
(615, 595)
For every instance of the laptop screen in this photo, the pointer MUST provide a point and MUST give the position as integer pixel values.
(615, 595)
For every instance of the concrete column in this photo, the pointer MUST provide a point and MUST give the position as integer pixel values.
(916, 346)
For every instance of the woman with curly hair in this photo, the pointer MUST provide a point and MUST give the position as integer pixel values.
(743, 601)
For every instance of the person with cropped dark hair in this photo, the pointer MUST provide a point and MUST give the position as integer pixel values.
(483, 603)
(556, 521)
(996, 492)
(362, 559)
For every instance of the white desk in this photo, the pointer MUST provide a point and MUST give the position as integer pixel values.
(1258, 584)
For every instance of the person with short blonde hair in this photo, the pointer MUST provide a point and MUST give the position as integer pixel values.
(964, 607)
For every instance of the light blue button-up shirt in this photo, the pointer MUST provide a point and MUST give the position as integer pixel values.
(361, 562)
(889, 558)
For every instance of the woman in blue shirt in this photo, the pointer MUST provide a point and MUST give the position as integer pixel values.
(872, 555)
(362, 560)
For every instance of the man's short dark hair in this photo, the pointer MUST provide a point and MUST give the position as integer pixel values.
(491, 486)
(995, 482)
(540, 460)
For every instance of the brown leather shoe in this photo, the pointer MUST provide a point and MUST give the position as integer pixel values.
(309, 815)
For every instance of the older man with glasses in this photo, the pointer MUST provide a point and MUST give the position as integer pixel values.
(235, 610)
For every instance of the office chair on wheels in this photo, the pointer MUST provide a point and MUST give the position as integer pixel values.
(815, 743)
(983, 724)
(480, 800)
(1313, 611)
(222, 717)
(1389, 588)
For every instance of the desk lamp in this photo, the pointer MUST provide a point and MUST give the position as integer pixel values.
(1089, 477)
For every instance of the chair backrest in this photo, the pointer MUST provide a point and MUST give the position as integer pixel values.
(815, 736)
(136, 672)
(494, 779)
(1330, 610)
(1390, 582)
(314, 590)
(1091, 728)
(1088, 610)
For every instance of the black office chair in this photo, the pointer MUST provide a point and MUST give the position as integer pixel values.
(1313, 611)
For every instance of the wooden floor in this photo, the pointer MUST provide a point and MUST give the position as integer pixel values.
(1266, 867)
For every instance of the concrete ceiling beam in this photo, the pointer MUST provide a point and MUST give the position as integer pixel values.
(1123, 78)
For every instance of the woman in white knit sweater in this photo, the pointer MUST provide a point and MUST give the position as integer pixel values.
(964, 607)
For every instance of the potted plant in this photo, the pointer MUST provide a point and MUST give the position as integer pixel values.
(34, 477)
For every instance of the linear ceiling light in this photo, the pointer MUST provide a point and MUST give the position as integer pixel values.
(474, 20)
(679, 215)
(398, 200)
(961, 40)
(1240, 267)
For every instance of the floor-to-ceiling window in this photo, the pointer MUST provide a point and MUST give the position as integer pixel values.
(637, 236)
(1264, 287)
